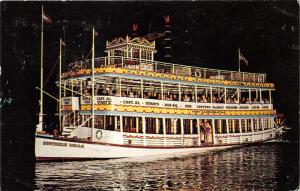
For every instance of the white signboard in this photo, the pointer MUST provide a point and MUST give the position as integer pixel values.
(71, 101)
(111, 100)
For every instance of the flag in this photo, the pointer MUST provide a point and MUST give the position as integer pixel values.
(167, 19)
(96, 33)
(62, 42)
(242, 58)
(46, 18)
(135, 27)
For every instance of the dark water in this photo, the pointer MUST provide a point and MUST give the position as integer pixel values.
(265, 167)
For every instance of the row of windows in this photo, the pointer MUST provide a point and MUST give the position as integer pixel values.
(172, 125)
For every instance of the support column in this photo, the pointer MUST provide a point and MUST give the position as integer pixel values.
(120, 86)
(152, 56)
(270, 96)
(272, 122)
(240, 125)
(104, 121)
(233, 125)
(162, 90)
(227, 131)
(144, 129)
(256, 94)
(156, 125)
(65, 84)
(196, 94)
(260, 97)
(179, 92)
(220, 126)
(164, 130)
(182, 131)
(257, 124)
(191, 126)
(213, 131)
(252, 127)
(238, 95)
(116, 123)
(211, 94)
(250, 96)
(82, 120)
(121, 123)
(262, 127)
(137, 124)
(142, 89)
(174, 125)
(198, 130)
(225, 95)
(72, 88)
(81, 91)
(246, 125)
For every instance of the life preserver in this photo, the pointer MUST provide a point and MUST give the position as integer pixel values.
(198, 73)
(99, 134)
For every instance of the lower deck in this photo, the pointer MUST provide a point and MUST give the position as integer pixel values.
(167, 131)
(172, 140)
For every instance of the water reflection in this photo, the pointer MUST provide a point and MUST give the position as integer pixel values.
(248, 168)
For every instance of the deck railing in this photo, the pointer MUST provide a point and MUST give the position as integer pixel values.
(169, 68)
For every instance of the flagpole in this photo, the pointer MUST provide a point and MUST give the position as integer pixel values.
(40, 126)
(239, 53)
(60, 104)
(93, 80)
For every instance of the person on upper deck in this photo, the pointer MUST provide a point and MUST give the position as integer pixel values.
(193, 98)
(255, 101)
(186, 98)
(203, 100)
(123, 94)
(235, 100)
(175, 97)
(243, 100)
(214, 99)
(248, 101)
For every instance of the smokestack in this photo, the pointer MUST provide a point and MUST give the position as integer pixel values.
(168, 40)
(134, 29)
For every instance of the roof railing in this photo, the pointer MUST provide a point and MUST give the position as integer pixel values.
(169, 68)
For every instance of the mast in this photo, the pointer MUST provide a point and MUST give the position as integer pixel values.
(93, 88)
(239, 63)
(40, 125)
(60, 103)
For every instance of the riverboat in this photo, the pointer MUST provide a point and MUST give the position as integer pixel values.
(126, 104)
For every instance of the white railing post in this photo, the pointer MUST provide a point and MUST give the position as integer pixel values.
(122, 62)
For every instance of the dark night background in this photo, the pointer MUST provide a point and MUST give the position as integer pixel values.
(205, 34)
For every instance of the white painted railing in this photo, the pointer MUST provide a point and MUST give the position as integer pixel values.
(170, 68)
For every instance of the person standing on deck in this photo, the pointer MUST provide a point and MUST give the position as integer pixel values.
(207, 129)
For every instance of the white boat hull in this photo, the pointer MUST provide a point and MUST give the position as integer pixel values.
(53, 149)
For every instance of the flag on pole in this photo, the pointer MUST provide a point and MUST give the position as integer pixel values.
(96, 33)
(62, 42)
(46, 18)
(242, 58)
